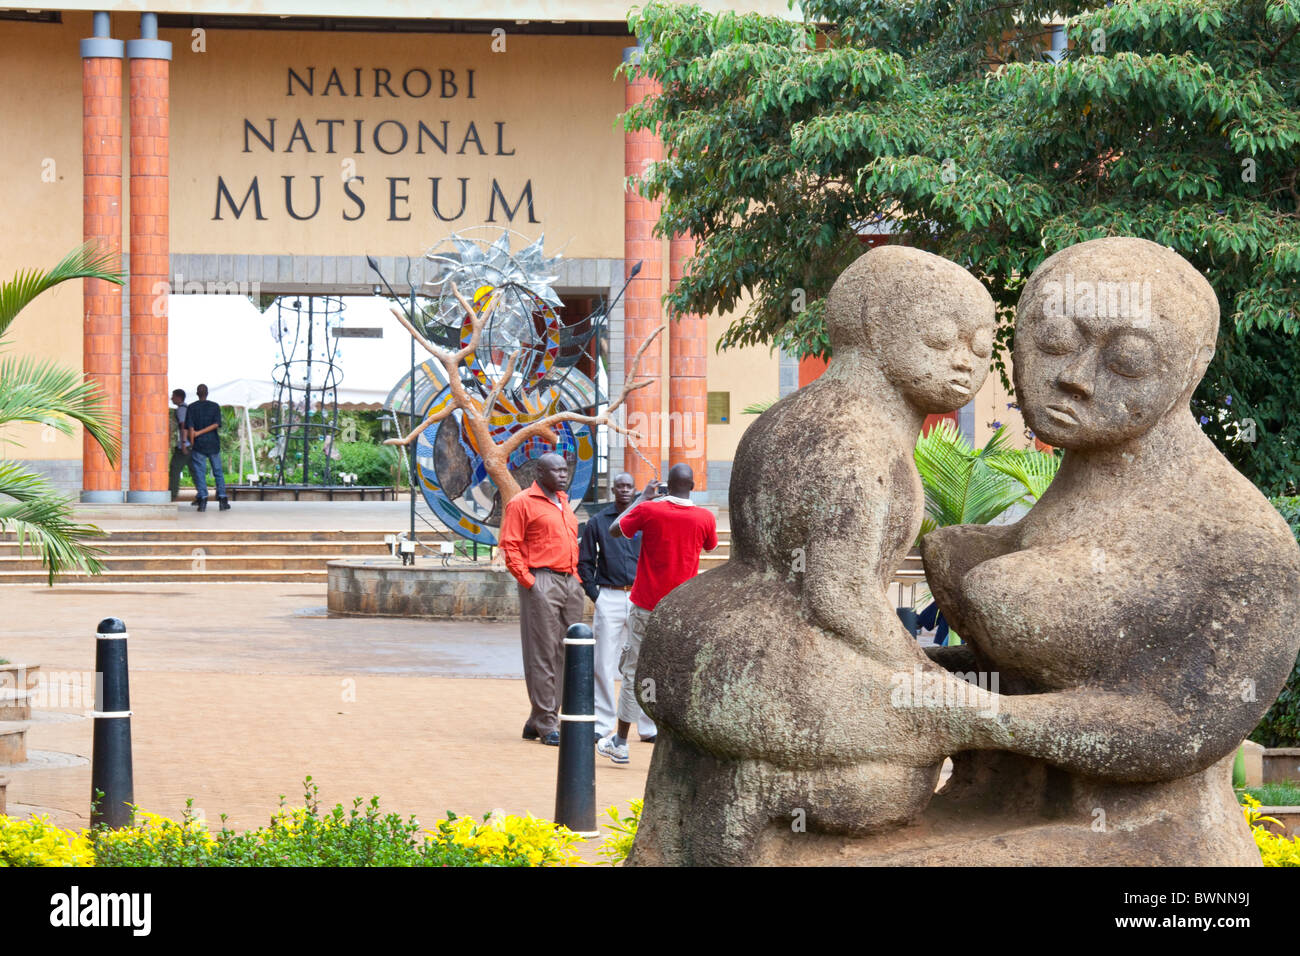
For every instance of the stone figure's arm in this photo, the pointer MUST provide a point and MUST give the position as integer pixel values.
(958, 657)
(1172, 688)
(1103, 734)
(949, 553)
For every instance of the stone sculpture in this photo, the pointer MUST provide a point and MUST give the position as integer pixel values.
(762, 670)
(1140, 618)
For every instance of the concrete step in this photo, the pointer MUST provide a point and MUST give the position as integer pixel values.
(166, 577)
(243, 534)
(114, 548)
(199, 560)
(13, 742)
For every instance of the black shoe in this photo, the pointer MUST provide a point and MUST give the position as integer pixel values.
(194, 502)
(650, 739)
(223, 504)
(203, 504)
(552, 739)
(529, 732)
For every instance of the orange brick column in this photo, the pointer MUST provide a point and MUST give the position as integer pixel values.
(150, 72)
(688, 384)
(101, 176)
(641, 304)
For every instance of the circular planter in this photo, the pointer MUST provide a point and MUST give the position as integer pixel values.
(383, 587)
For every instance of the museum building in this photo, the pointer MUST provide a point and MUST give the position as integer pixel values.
(273, 146)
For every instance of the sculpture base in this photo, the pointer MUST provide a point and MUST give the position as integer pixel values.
(996, 810)
(384, 587)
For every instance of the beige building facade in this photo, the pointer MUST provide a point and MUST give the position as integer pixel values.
(296, 140)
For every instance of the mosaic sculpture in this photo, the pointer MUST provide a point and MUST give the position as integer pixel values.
(502, 387)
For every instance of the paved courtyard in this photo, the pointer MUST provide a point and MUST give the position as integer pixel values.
(240, 690)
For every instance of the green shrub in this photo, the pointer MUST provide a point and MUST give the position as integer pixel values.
(1282, 794)
(372, 464)
(1281, 725)
(1290, 508)
(619, 843)
(301, 836)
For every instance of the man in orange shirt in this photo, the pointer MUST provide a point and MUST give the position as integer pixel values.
(539, 536)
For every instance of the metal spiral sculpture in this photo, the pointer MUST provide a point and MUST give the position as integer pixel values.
(307, 378)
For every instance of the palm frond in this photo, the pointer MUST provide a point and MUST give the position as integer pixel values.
(43, 520)
(41, 392)
(943, 458)
(85, 262)
(1033, 469)
(965, 485)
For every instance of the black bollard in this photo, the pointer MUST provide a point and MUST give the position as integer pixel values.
(575, 785)
(110, 771)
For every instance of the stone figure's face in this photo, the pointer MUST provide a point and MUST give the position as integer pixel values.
(1094, 364)
(937, 353)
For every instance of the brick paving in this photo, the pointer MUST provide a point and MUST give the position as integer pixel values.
(240, 690)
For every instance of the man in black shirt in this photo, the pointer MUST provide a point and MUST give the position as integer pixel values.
(607, 566)
(203, 418)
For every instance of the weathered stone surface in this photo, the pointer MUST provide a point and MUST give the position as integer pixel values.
(762, 670)
(383, 587)
(1139, 618)
(1140, 633)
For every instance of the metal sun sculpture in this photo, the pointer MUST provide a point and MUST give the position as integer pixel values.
(503, 387)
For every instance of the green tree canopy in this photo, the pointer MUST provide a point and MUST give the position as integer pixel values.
(1176, 121)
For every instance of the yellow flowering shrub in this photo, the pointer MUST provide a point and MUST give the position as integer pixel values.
(510, 840)
(37, 842)
(619, 843)
(1274, 850)
(300, 836)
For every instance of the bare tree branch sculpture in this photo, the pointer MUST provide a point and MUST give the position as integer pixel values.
(477, 418)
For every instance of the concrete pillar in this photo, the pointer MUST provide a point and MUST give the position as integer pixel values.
(688, 384)
(642, 303)
(150, 73)
(101, 176)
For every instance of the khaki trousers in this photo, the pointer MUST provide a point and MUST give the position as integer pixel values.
(611, 629)
(546, 611)
(628, 708)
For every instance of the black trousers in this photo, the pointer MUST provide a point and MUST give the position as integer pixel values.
(180, 461)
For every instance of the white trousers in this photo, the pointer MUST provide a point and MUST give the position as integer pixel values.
(610, 625)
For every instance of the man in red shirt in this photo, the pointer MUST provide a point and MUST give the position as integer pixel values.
(539, 536)
(673, 533)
